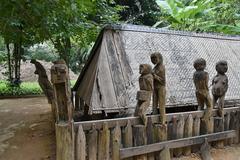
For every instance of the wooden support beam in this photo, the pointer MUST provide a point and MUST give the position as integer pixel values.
(145, 149)
(87, 125)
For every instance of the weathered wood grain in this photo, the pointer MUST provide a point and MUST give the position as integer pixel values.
(134, 151)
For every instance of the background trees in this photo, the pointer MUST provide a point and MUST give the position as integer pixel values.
(67, 29)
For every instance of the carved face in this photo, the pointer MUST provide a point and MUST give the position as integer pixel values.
(156, 58)
(220, 85)
(145, 69)
(221, 67)
(199, 64)
(59, 73)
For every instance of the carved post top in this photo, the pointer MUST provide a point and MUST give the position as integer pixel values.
(59, 72)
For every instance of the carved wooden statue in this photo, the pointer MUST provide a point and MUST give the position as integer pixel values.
(159, 91)
(62, 90)
(145, 92)
(220, 86)
(200, 78)
(43, 81)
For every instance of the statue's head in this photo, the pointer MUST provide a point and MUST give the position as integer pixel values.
(156, 58)
(59, 72)
(145, 69)
(221, 67)
(199, 64)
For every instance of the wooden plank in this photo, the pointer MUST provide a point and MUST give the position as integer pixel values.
(116, 70)
(81, 144)
(92, 143)
(196, 132)
(134, 151)
(104, 142)
(140, 138)
(150, 138)
(128, 137)
(188, 127)
(116, 143)
(226, 126)
(64, 142)
(180, 131)
(135, 120)
(218, 127)
(160, 132)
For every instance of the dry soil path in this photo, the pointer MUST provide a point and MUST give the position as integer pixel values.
(25, 130)
(26, 133)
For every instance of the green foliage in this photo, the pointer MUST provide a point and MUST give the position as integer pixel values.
(145, 12)
(26, 88)
(44, 51)
(222, 16)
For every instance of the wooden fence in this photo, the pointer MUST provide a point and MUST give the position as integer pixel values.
(126, 138)
(119, 138)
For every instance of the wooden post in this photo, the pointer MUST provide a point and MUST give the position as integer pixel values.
(81, 144)
(64, 121)
(116, 143)
(173, 133)
(234, 125)
(92, 143)
(160, 134)
(226, 126)
(180, 129)
(206, 126)
(139, 132)
(64, 142)
(128, 137)
(218, 127)
(188, 127)
(104, 142)
(196, 132)
(150, 137)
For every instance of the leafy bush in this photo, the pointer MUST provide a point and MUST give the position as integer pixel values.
(26, 88)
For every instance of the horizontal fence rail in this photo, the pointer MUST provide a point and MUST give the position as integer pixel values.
(145, 149)
(87, 125)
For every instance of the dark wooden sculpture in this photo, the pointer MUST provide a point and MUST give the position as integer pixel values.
(43, 81)
(220, 86)
(201, 78)
(145, 92)
(159, 91)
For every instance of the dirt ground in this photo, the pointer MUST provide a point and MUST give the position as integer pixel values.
(25, 130)
(26, 133)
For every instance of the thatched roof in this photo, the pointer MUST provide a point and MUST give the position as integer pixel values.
(109, 80)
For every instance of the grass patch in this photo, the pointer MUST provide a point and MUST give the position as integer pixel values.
(26, 88)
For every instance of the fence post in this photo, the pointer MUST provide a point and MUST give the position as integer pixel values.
(81, 144)
(116, 143)
(188, 128)
(128, 137)
(92, 143)
(139, 132)
(64, 122)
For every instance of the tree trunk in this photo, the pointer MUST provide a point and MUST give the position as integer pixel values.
(10, 76)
